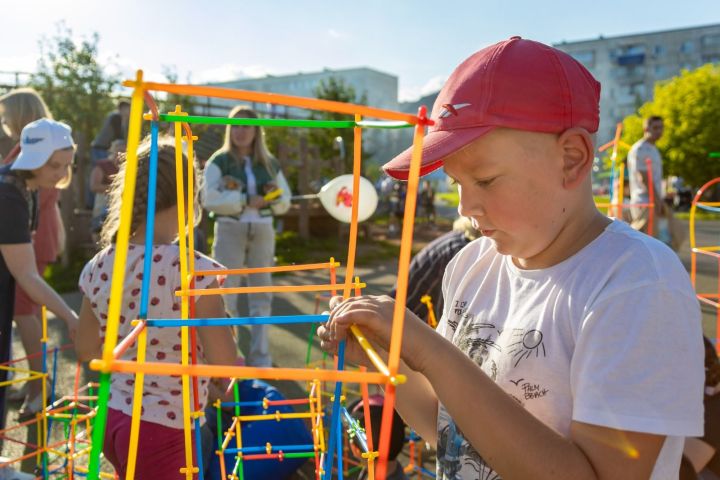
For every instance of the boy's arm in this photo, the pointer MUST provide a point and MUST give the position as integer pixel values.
(417, 404)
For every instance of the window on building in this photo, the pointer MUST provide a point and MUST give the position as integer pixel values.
(660, 71)
(659, 50)
(711, 40)
(711, 58)
(687, 47)
(586, 57)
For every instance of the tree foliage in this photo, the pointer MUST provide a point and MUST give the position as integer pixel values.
(75, 86)
(338, 90)
(690, 107)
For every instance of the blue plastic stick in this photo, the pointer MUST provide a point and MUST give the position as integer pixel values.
(708, 208)
(217, 322)
(335, 418)
(198, 450)
(150, 221)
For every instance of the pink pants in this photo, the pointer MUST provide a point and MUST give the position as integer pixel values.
(160, 453)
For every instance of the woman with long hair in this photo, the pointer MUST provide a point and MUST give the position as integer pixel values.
(237, 179)
(18, 108)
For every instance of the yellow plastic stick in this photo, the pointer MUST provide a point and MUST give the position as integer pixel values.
(184, 305)
(274, 416)
(137, 406)
(427, 300)
(371, 353)
(270, 289)
(123, 234)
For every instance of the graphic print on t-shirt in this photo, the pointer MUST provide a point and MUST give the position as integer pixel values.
(503, 354)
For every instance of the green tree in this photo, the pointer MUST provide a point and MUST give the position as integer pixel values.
(689, 105)
(75, 86)
(324, 139)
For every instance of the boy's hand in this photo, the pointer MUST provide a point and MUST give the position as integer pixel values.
(373, 315)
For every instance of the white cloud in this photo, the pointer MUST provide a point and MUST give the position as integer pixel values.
(231, 71)
(415, 92)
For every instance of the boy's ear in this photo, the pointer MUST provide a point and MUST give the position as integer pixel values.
(578, 154)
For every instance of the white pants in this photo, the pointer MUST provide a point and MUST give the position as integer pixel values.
(248, 245)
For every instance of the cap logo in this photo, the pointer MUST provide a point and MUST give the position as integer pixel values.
(449, 109)
(32, 141)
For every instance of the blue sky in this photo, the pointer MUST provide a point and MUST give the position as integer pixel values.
(419, 41)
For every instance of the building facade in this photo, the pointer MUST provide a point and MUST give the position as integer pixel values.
(378, 88)
(628, 66)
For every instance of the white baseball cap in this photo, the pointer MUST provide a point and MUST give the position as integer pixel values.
(39, 140)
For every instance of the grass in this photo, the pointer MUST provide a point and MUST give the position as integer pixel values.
(451, 198)
(65, 278)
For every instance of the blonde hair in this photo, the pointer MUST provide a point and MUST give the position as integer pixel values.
(165, 192)
(20, 107)
(260, 152)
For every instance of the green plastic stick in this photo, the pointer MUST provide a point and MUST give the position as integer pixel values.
(236, 396)
(99, 425)
(281, 122)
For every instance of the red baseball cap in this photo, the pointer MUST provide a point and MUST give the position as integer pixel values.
(517, 83)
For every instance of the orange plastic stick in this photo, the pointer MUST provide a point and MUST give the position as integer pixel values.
(401, 294)
(274, 98)
(268, 289)
(227, 371)
(352, 243)
(282, 268)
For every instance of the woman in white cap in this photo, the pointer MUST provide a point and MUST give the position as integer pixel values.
(45, 160)
(18, 108)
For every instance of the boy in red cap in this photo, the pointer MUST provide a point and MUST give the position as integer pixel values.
(570, 344)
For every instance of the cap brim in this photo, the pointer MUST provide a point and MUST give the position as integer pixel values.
(28, 161)
(436, 146)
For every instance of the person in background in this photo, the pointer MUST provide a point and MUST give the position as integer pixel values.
(237, 177)
(427, 201)
(100, 180)
(18, 108)
(45, 161)
(428, 264)
(114, 127)
(638, 176)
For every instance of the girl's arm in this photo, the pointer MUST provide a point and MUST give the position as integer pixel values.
(215, 197)
(218, 342)
(87, 339)
(282, 204)
(20, 260)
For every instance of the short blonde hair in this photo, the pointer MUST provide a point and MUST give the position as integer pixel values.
(20, 107)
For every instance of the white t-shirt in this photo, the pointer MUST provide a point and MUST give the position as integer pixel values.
(162, 401)
(611, 337)
(637, 156)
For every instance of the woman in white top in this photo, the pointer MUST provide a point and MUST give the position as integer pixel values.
(237, 179)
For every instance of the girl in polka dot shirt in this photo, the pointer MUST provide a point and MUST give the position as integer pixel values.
(161, 430)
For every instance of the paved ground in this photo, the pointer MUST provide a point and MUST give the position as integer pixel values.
(289, 343)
